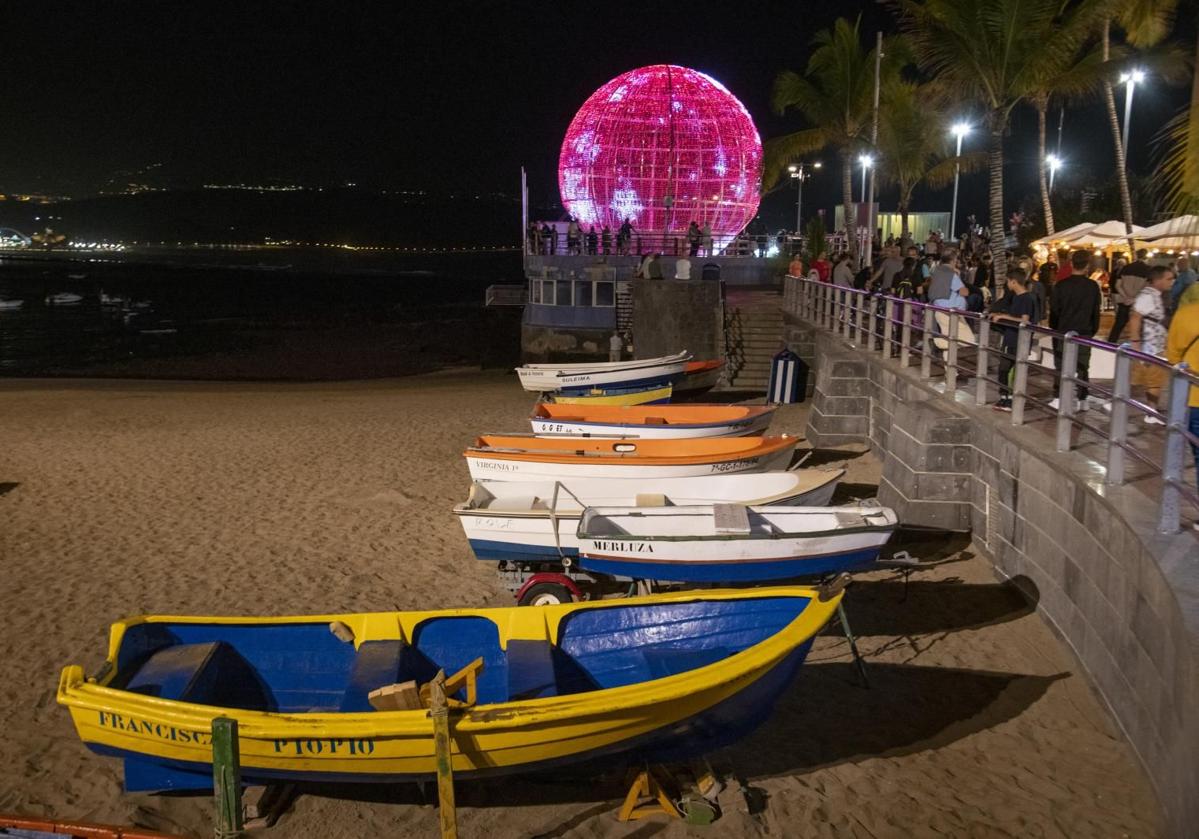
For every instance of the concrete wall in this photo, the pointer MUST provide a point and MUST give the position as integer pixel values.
(673, 315)
(1123, 598)
(543, 344)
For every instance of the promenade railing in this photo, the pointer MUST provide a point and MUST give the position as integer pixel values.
(955, 345)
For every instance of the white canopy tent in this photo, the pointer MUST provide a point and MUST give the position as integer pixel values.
(1180, 234)
(1062, 236)
(1105, 235)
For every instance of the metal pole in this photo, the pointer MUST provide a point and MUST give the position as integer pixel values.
(1168, 519)
(1128, 88)
(226, 778)
(926, 346)
(799, 202)
(980, 370)
(951, 356)
(1020, 383)
(889, 328)
(905, 349)
(878, 69)
(1117, 434)
(1067, 393)
(957, 172)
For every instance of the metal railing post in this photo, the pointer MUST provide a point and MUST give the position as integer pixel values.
(926, 345)
(1177, 420)
(1117, 434)
(888, 327)
(905, 333)
(1020, 383)
(1067, 393)
(980, 368)
(951, 355)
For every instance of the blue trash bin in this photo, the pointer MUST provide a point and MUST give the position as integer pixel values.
(788, 378)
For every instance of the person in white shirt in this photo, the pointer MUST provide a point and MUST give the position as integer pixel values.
(1147, 321)
(682, 268)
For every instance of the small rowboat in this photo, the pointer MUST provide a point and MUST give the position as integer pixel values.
(731, 543)
(652, 395)
(699, 376)
(657, 678)
(8, 305)
(500, 458)
(24, 827)
(646, 371)
(656, 423)
(530, 520)
(63, 298)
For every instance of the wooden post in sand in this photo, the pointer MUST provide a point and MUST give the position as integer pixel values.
(439, 711)
(226, 778)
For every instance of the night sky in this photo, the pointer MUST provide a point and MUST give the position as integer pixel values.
(403, 94)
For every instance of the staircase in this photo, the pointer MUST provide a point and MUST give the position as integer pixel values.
(753, 333)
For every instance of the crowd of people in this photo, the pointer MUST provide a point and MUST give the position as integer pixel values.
(1156, 307)
(583, 240)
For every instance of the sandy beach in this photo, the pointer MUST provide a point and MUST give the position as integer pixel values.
(121, 497)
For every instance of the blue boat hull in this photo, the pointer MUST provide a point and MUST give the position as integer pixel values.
(733, 572)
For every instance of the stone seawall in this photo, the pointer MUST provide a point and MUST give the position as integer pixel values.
(1123, 598)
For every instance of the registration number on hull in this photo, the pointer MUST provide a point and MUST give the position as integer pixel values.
(735, 465)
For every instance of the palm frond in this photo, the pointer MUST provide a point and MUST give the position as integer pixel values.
(1146, 22)
(1178, 170)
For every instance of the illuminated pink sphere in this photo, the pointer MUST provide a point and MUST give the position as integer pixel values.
(663, 146)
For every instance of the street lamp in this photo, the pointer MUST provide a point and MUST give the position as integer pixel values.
(799, 175)
(867, 161)
(1054, 163)
(1130, 80)
(960, 130)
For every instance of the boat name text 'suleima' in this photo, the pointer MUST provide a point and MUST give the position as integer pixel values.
(625, 547)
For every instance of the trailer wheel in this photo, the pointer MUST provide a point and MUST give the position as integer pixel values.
(545, 594)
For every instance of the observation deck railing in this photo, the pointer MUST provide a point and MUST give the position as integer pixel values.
(907, 331)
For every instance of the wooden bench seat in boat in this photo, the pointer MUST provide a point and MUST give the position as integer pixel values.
(210, 673)
(538, 668)
(378, 663)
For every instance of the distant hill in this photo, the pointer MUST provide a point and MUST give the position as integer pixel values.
(342, 216)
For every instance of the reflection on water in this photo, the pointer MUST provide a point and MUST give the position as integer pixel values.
(63, 317)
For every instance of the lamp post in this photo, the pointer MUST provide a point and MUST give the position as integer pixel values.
(1054, 163)
(798, 175)
(867, 161)
(960, 130)
(1130, 80)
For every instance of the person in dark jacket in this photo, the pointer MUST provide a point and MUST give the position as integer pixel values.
(1074, 305)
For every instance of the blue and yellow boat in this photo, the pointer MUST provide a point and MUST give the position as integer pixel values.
(662, 677)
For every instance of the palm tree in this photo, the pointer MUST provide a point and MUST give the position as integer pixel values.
(912, 142)
(835, 95)
(1078, 76)
(993, 51)
(1179, 169)
(1145, 23)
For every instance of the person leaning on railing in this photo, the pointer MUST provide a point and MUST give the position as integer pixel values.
(1019, 306)
(1182, 344)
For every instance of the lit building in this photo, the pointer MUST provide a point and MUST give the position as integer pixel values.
(662, 146)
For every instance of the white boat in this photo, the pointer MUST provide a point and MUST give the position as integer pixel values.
(9, 305)
(725, 543)
(581, 377)
(650, 422)
(63, 298)
(528, 458)
(537, 520)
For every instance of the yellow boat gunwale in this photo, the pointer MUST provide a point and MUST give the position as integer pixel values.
(75, 691)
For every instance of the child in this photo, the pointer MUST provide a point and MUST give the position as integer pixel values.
(1021, 308)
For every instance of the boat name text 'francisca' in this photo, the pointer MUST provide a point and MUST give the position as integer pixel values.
(130, 725)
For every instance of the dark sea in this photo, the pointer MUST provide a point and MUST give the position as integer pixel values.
(269, 314)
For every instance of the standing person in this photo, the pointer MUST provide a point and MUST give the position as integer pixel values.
(842, 273)
(1125, 290)
(945, 286)
(884, 275)
(553, 238)
(1074, 305)
(1039, 289)
(1147, 322)
(821, 266)
(1186, 276)
(592, 241)
(606, 239)
(904, 286)
(706, 238)
(624, 236)
(693, 239)
(1182, 344)
(546, 245)
(572, 238)
(795, 269)
(1021, 307)
(615, 347)
(1063, 263)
